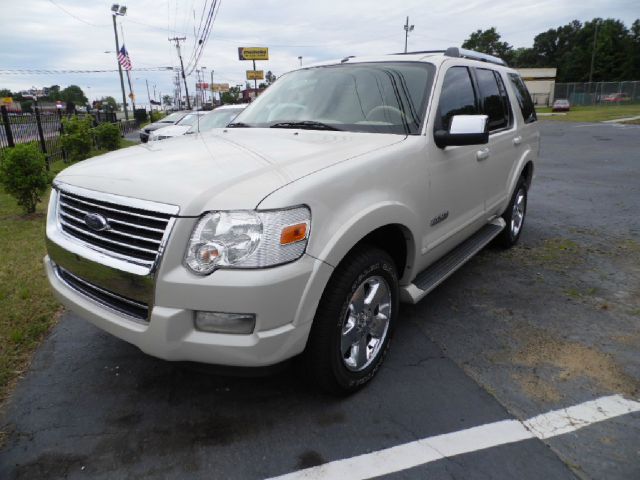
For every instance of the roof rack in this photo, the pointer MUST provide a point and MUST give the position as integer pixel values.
(461, 53)
(483, 57)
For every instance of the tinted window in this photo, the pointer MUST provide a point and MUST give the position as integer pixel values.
(457, 97)
(524, 99)
(493, 99)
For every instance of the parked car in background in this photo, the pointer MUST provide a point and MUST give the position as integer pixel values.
(219, 118)
(561, 105)
(180, 128)
(170, 119)
(616, 98)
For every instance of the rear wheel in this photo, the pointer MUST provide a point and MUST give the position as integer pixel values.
(354, 322)
(514, 216)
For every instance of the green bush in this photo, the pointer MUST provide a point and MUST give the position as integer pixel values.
(140, 114)
(76, 139)
(156, 115)
(23, 175)
(107, 136)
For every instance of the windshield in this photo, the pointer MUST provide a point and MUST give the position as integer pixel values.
(189, 119)
(173, 118)
(216, 119)
(368, 97)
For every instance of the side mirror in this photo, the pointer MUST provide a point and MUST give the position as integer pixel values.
(464, 130)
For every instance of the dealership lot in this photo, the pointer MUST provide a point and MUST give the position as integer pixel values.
(551, 324)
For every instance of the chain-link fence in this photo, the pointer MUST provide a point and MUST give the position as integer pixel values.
(598, 93)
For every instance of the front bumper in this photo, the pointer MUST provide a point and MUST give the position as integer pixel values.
(283, 298)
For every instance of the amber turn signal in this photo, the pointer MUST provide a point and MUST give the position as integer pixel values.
(293, 233)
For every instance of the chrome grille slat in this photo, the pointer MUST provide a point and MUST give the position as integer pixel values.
(134, 233)
(132, 308)
(105, 207)
(103, 239)
(118, 232)
(114, 220)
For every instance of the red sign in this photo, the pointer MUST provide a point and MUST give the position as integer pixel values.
(202, 86)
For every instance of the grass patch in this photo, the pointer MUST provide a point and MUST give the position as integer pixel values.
(28, 306)
(593, 113)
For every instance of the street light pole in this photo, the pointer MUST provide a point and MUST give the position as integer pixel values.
(300, 58)
(593, 52)
(407, 28)
(115, 9)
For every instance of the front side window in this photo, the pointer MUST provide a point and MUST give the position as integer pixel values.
(457, 97)
(524, 98)
(493, 98)
(385, 97)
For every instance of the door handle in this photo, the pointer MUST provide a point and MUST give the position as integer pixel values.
(517, 140)
(483, 154)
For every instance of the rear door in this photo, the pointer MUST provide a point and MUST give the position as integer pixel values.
(496, 167)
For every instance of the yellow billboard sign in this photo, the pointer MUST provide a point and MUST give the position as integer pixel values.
(255, 74)
(7, 100)
(253, 53)
(220, 87)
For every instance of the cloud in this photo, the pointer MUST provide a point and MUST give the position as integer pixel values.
(74, 34)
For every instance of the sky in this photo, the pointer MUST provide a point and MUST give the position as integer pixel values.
(75, 34)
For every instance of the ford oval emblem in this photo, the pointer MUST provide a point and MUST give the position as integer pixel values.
(96, 222)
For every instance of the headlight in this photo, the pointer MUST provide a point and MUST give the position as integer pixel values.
(247, 239)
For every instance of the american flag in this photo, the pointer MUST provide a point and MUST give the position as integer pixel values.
(123, 58)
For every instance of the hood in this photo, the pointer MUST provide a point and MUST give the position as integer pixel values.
(155, 126)
(221, 169)
(172, 131)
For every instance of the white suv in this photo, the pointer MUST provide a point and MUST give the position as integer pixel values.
(346, 188)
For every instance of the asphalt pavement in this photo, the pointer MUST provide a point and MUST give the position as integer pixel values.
(553, 323)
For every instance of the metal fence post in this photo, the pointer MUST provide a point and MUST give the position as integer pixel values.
(43, 145)
(7, 126)
(64, 152)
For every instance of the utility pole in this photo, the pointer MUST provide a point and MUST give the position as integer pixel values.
(148, 95)
(593, 52)
(407, 28)
(211, 88)
(184, 78)
(119, 10)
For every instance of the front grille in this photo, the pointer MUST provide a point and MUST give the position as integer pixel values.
(134, 234)
(114, 301)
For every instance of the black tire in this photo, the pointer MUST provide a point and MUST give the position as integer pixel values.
(323, 360)
(509, 237)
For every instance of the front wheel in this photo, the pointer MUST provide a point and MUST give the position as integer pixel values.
(354, 322)
(514, 216)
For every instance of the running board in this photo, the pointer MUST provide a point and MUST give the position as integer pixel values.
(440, 270)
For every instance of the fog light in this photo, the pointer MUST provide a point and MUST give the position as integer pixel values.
(217, 322)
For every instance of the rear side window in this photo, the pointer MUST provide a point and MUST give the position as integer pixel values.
(457, 97)
(524, 99)
(493, 99)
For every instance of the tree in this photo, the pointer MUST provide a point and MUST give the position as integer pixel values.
(5, 92)
(73, 94)
(270, 77)
(167, 100)
(488, 41)
(54, 93)
(232, 96)
(109, 103)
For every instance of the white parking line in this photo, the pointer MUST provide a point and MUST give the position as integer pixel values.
(426, 450)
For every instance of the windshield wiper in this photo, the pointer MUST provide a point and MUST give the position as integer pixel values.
(239, 125)
(306, 124)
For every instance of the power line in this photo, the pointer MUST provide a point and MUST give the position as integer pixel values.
(75, 16)
(21, 71)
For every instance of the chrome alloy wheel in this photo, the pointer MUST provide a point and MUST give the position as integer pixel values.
(366, 324)
(517, 214)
